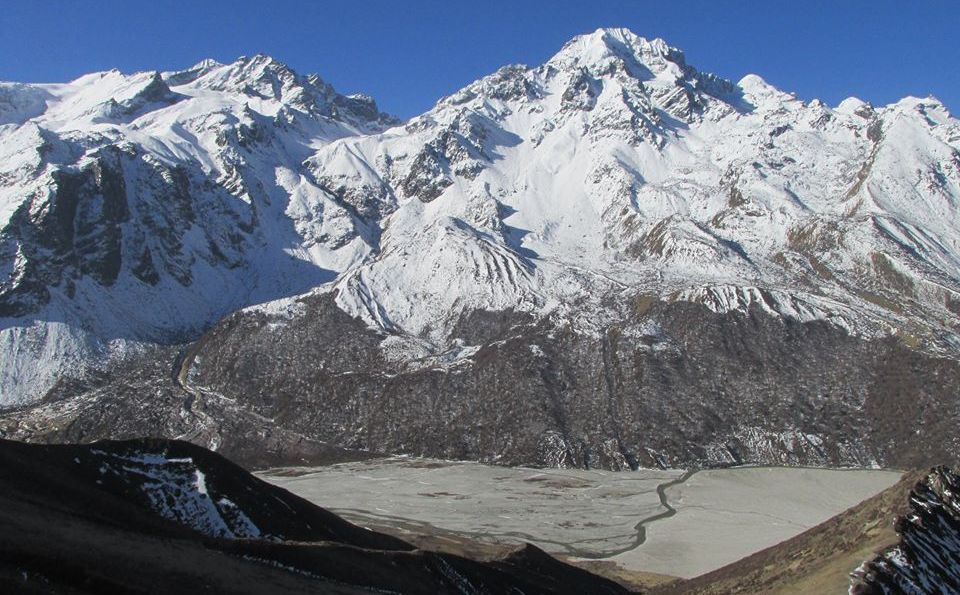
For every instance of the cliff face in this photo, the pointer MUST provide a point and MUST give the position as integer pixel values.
(140, 209)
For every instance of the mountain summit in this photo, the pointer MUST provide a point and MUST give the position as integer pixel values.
(609, 259)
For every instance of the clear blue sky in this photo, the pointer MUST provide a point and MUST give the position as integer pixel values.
(408, 54)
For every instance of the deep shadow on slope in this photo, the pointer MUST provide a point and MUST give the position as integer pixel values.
(88, 519)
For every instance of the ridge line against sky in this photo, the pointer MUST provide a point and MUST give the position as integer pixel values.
(408, 55)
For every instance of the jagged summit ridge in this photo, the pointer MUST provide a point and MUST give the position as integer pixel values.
(599, 50)
(641, 66)
(681, 175)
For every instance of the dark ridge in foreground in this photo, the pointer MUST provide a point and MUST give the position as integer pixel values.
(927, 559)
(167, 516)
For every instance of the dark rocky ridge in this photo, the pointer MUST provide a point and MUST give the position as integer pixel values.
(537, 394)
(927, 559)
(673, 385)
(133, 517)
(140, 397)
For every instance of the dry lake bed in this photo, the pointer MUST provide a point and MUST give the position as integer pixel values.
(663, 521)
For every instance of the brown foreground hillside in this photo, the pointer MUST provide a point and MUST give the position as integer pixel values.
(819, 560)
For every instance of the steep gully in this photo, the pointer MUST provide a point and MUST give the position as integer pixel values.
(194, 402)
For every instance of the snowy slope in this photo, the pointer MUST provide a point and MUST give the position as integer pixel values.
(615, 169)
(616, 165)
(142, 208)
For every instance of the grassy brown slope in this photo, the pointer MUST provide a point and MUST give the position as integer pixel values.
(636, 580)
(817, 561)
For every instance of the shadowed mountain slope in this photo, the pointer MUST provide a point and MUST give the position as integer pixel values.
(160, 516)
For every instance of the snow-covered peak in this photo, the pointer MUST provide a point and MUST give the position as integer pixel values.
(928, 108)
(262, 78)
(618, 156)
(201, 68)
(854, 106)
(206, 64)
(260, 74)
(627, 82)
(761, 94)
(614, 164)
(606, 49)
(108, 97)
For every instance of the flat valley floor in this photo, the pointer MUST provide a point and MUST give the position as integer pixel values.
(668, 522)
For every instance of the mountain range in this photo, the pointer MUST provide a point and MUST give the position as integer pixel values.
(608, 260)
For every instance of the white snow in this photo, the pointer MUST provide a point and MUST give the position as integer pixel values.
(615, 168)
(177, 490)
(632, 193)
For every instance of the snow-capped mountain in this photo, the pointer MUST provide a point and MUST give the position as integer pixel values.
(611, 258)
(617, 165)
(144, 207)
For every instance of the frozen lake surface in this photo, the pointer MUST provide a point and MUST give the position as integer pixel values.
(720, 515)
(727, 514)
